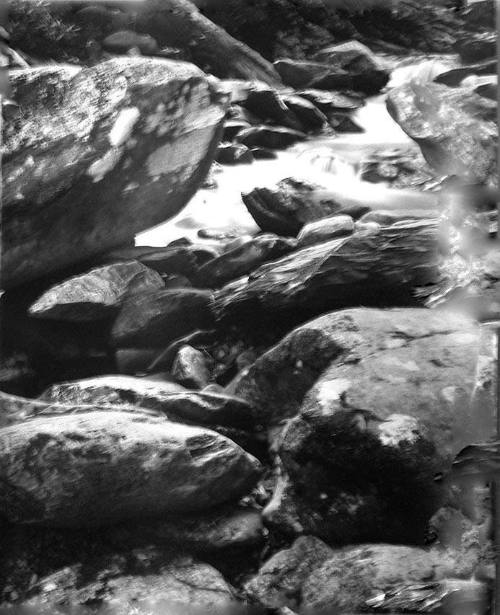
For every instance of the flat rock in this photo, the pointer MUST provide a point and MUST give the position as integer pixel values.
(274, 137)
(158, 318)
(122, 466)
(450, 127)
(96, 294)
(95, 153)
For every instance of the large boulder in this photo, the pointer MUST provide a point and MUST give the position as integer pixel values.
(98, 468)
(382, 266)
(450, 127)
(381, 401)
(96, 155)
(96, 294)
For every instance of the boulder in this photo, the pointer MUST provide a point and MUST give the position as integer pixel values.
(125, 40)
(233, 127)
(233, 153)
(311, 118)
(481, 13)
(488, 90)
(190, 368)
(155, 319)
(455, 76)
(274, 137)
(477, 47)
(352, 56)
(325, 230)
(341, 122)
(268, 105)
(379, 267)
(332, 101)
(94, 154)
(382, 401)
(299, 73)
(450, 127)
(97, 294)
(100, 468)
(244, 259)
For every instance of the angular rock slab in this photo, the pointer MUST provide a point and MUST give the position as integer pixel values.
(101, 468)
(99, 154)
(453, 135)
(96, 294)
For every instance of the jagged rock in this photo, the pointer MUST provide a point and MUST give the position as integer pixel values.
(478, 47)
(279, 581)
(274, 137)
(367, 575)
(122, 466)
(96, 294)
(268, 105)
(190, 368)
(311, 118)
(325, 230)
(125, 40)
(410, 410)
(156, 319)
(233, 153)
(244, 259)
(167, 398)
(331, 101)
(449, 126)
(94, 155)
(380, 267)
(455, 76)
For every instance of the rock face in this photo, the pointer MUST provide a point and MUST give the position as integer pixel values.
(96, 294)
(449, 126)
(369, 389)
(364, 268)
(104, 467)
(96, 155)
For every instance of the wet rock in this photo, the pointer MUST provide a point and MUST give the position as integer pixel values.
(190, 368)
(449, 126)
(244, 259)
(156, 319)
(311, 118)
(343, 123)
(368, 83)
(455, 76)
(232, 128)
(353, 578)
(331, 101)
(263, 153)
(233, 153)
(325, 230)
(477, 48)
(97, 294)
(121, 466)
(488, 90)
(279, 581)
(363, 268)
(125, 40)
(268, 105)
(274, 137)
(85, 162)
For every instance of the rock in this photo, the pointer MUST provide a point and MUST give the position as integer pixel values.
(232, 128)
(125, 40)
(478, 47)
(367, 83)
(279, 581)
(268, 105)
(130, 361)
(488, 90)
(115, 173)
(156, 319)
(355, 577)
(299, 73)
(263, 153)
(455, 76)
(325, 230)
(481, 13)
(352, 56)
(395, 216)
(164, 398)
(190, 368)
(341, 122)
(177, 281)
(197, 339)
(311, 118)
(449, 128)
(96, 294)
(233, 153)
(331, 101)
(122, 466)
(244, 259)
(274, 137)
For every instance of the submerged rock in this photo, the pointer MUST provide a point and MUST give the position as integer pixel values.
(94, 155)
(121, 466)
(96, 294)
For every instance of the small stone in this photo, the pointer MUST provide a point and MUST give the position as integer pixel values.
(190, 368)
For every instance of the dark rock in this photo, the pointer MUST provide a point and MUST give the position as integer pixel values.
(232, 128)
(130, 361)
(262, 153)
(481, 14)
(449, 126)
(89, 145)
(121, 466)
(311, 118)
(190, 368)
(325, 230)
(368, 83)
(165, 359)
(332, 101)
(177, 281)
(352, 56)
(156, 319)
(455, 76)
(478, 47)
(125, 40)
(488, 90)
(233, 153)
(244, 259)
(299, 73)
(341, 122)
(274, 137)
(96, 294)
(268, 105)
